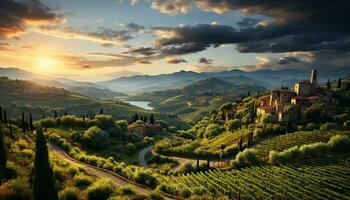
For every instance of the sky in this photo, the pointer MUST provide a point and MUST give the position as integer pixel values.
(102, 39)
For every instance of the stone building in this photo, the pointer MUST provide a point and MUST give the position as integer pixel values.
(305, 94)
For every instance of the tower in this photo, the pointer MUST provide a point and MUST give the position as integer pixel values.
(314, 78)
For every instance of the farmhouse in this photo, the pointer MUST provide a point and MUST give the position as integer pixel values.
(305, 94)
(144, 129)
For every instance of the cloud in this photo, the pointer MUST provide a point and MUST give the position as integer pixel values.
(282, 27)
(176, 61)
(81, 62)
(205, 61)
(103, 35)
(16, 15)
(146, 51)
(134, 27)
(210, 68)
(31, 46)
(5, 46)
(172, 6)
(145, 62)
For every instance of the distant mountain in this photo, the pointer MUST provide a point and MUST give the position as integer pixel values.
(146, 83)
(267, 78)
(96, 92)
(16, 73)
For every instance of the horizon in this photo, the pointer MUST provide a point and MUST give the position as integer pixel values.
(121, 38)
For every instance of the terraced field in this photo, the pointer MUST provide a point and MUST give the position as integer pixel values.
(283, 142)
(326, 178)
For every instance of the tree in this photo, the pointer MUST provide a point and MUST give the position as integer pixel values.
(56, 114)
(151, 119)
(329, 84)
(27, 125)
(1, 118)
(145, 118)
(135, 118)
(5, 117)
(339, 83)
(31, 126)
(23, 123)
(232, 125)
(3, 153)
(241, 144)
(289, 126)
(43, 182)
(101, 111)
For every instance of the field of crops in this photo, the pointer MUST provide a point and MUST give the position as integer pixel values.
(326, 178)
(283, 142)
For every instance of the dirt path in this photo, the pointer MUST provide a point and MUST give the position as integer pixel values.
(101, 173)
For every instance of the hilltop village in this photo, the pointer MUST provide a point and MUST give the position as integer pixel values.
(305, 94)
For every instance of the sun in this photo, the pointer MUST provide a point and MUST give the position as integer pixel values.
(46, 65)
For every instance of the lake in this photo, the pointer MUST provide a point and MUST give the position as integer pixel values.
(141, 104)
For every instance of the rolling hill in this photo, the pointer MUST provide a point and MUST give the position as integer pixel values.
(196, 99)
(18, 95)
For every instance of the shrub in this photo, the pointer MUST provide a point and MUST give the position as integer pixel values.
(105, 121)
(123, 124)
(245, 158)
(155, 196)
(185, 192)
(288, 155)
(7, 173)
(339, 143)
(95, 137)
(101, 190)
(69, 193)
(232, 125)
(315, 149)
(146, 178)
(127, 190)
(346, 125)
(130, 148)
(212, 130)
(311, 127)
(21, 188)
(82, 180)
(267, 119)
(173, 129)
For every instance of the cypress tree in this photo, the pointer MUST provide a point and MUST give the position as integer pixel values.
(208, 164)
(3, 153)
(328, 84)
(101, 111)
(5, 117)
(83, 120)
(289, 122)
(339, 83)
(145, 118)
(55, 114)
(142, 118)
(27, 125)
(43, 182)
(151, 119)
(31, 126)
(10, 129)
(1, 118)
(23, 123)
(241, 144)
(136, 117)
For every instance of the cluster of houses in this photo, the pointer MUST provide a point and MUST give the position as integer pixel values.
(144, 128)
(305, 94)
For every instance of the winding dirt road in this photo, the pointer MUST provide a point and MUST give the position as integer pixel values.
(101, 173)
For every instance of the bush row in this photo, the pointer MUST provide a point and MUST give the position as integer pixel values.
(338, 143)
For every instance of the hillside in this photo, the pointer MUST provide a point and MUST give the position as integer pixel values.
(17, 96)
(197, 99)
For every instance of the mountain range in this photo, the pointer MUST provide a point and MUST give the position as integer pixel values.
(146, 83)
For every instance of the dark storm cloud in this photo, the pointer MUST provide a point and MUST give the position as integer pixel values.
(288, 26)
(205, 61)
(146, 51)
(176, 61)
(15, 15)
